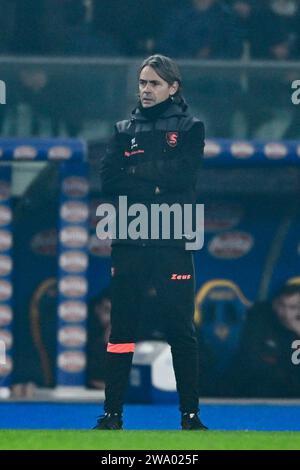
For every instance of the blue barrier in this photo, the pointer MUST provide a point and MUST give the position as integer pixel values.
(70, 155)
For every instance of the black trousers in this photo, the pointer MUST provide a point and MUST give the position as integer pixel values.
(170, 271)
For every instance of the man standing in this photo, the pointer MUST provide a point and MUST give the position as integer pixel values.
(153, 158)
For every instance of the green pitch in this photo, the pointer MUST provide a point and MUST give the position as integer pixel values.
(147, 440)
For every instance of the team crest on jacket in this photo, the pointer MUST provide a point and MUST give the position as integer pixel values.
(172, 138)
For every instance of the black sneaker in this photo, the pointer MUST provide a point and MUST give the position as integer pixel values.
(191, 422)
(109, 421)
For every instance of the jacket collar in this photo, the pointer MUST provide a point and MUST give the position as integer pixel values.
(171, 111)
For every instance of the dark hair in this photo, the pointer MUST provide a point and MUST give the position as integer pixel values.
(287, 290)
(168, 70)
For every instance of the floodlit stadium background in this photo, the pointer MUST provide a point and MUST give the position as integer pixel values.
(70, 70)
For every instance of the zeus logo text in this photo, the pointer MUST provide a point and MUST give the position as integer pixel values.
(179, 277)
(2, 92)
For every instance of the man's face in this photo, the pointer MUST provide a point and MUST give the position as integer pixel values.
(203, 5)
(153, 89)
(288, 311)
(242, 8)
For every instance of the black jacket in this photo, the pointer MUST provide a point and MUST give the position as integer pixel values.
(154, 161)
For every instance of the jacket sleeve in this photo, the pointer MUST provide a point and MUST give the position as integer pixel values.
(115, 180)
(178, 174)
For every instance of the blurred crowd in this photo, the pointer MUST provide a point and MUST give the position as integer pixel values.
(248, 356)
(205, 29)
(258, 363)
(43, 99)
